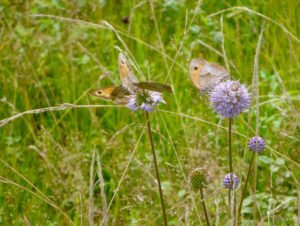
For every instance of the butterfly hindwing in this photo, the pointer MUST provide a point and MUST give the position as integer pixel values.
(154, 86)
(119, 91)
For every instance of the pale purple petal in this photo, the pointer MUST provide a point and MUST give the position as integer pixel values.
(149, 100)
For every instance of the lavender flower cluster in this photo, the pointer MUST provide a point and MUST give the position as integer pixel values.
(229, 98)
(228, 182)
(256, 144)
(145, 100)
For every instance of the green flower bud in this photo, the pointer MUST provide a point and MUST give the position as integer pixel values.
(198, 179)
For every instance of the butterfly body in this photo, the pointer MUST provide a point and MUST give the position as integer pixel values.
(206, 75)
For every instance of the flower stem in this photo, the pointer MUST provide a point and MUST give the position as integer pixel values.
(204, 206)
(231, 205)
(229, 146)
(156, 169)
(246, 182)
(230, 158)
(254, 190)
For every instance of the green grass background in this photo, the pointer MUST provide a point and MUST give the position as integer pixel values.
(48, 61)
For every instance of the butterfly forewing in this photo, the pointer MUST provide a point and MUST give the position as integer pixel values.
(104, 92)
(126, 74)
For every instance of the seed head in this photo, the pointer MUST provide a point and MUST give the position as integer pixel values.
(198, 179)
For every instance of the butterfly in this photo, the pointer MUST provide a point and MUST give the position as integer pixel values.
(206, 75)
(130, 85)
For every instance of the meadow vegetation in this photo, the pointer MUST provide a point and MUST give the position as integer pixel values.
(55, 165)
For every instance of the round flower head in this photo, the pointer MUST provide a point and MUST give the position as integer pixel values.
(198, 179)
(229, 98)
(145, 100)
(257, 144)
(227, 181)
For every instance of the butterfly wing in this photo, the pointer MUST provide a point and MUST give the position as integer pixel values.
(121, 95)
(126, 74)
(117, 94)
(154, 86)
(210, 75)
(214, 69)
(104, 93)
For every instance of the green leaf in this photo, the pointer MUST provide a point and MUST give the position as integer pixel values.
(264, 159)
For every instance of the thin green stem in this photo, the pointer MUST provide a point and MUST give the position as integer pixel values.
(204, 207)
(156, 169)
(229, 145)
(246, 182)
(254, 191)
(229, 198)
(230, 158)
(231, 205)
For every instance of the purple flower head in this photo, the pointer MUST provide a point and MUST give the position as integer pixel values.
(145, 100)
(227, 181)
(257, 144)
(230, 98)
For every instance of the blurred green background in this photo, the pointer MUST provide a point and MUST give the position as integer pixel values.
(46, 61)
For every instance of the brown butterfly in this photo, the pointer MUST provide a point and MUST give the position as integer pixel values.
(206, 75)
(130, 85)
